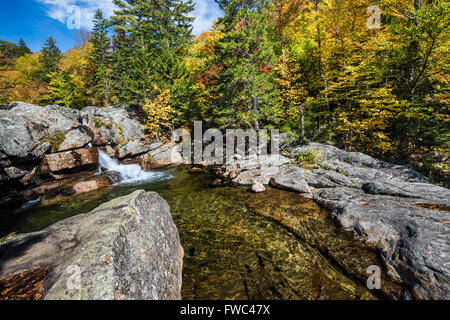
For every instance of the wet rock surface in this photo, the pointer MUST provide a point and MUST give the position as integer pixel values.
(128, 248)
(54, 142)
(386, 206)
(69, 159)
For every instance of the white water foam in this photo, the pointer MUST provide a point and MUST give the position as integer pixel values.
(129, 173)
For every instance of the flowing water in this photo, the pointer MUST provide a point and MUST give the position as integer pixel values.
(129, 173)
(238, 245)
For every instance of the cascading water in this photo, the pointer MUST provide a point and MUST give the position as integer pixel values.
(129, 173)
(84, 123)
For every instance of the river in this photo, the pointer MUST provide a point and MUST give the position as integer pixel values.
(238, 245)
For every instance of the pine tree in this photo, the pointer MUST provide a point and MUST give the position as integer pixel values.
(49, 58)
(151, 39)
(101, 58)
(247, 95)
(155, 20)
(121, 66)
(23, 49)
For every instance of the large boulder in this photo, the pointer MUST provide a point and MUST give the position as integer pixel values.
(128, 248)
(69, 159)
(74, 139)
(25, 129)
(412, 240)
(111, 126)
(387, 206)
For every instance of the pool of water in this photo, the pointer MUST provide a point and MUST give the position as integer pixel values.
(239, 245)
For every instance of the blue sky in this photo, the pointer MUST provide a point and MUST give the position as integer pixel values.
(36, 20)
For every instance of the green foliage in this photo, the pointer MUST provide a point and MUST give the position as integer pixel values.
(13, 51)
(101, 59)
(55, 141)
(310, 67)
(246, 95)
(8, 237)
(307, 158)
(50, 56)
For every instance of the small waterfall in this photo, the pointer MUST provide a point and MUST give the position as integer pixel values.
(84, 123)
(130, 173)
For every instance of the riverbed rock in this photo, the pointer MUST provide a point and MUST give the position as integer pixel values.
(391, 208)
(80, 184)
(167, 154)
(128, 248)
(69, 159)
(387, 206)
(135, 148)
(412, 240)
(290, 183)
(258, 187)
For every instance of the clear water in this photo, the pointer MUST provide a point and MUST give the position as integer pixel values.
(239, 245)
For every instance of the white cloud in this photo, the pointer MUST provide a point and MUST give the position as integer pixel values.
(206, 11)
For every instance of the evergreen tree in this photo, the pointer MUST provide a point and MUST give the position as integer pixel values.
(155, 20)
(151, 39)
(121, 66)
(101, 58)
(49, 58)
(23, 49)
(170, 73)
(246, 92)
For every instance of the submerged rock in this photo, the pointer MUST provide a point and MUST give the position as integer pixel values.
(128, 248)
(412, 240)
(258, 187)
(386, 206)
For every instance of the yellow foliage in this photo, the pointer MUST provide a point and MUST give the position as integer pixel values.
(159, 113)
(19, 83)
(291, 92)
(68, 85)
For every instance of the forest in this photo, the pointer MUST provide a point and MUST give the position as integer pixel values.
(333, 71)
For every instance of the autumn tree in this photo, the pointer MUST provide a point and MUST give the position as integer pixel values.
(246, 92)
(67, 86)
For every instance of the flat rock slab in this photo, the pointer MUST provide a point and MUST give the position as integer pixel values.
(128, 248)
(413, 241)
(69, 159)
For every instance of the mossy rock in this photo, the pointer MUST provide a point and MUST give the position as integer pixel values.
(55, 141)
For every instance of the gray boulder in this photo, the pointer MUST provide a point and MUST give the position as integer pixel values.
(24, 126)
(128, 248)
(291, 178)
(74, 139)
(412, 240)
(115, 125)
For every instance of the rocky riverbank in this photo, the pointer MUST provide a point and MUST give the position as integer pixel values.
(388, 207)
(42, 149)
(48, 152)
(128, 248)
